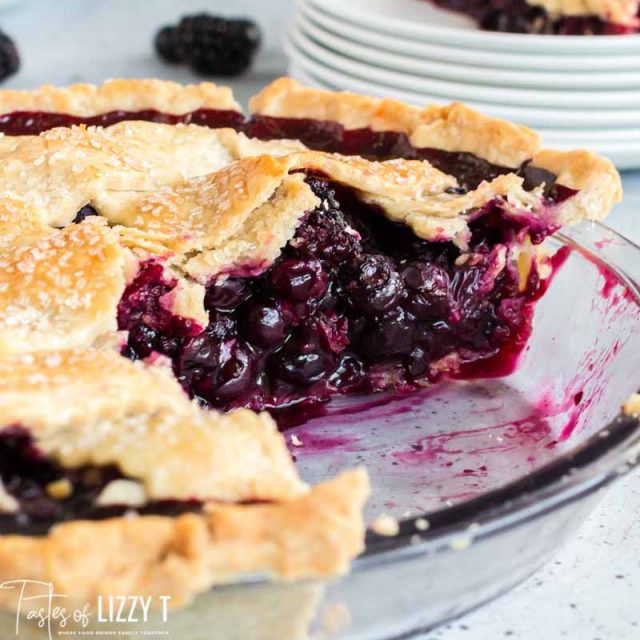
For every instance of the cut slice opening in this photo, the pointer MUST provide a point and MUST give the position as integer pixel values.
(354, 303)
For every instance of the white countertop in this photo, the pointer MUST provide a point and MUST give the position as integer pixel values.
(592, 590)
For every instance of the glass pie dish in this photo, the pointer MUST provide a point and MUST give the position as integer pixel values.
(481, 481)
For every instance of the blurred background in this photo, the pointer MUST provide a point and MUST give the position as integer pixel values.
(591, 591)
(65, 41)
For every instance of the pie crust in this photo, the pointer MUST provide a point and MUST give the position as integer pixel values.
(153, 184)
(257, 516)
(617, 11)
(202, 203)
(454, 128)
(87, 100)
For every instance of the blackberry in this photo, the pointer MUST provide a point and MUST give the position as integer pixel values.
(9, 58)
(166, 45)
(210, 45)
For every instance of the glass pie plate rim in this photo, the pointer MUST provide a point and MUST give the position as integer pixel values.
(610, 453)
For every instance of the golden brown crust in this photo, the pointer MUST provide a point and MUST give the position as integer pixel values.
(258, 241)
(60, 288)
(456, 127)
(314, 535)
(207, 202)
(596, 180)
(202, 201)
(138, 418)
(618, 11)
(62, 170)
(287, 98)
(87, 100)
(452, 128)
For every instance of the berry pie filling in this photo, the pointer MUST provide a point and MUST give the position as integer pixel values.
(23, 123)
(37, 492)
(354, 303)
(521, 16)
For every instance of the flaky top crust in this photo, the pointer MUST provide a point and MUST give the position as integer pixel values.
(450, 128)
(138, 418)
(86, 100)
(618, 11)
(313, 535)
(201, 202)
(454, 127)
(58, 288)
(257, 515)
(206, 203)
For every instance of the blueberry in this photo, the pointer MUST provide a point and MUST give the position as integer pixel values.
(221, 325)
(199, 355)
(417, 362)
(235, 375)
(86, 212)
(387, 336)
(376, 286)
(430, 290)
(142, 339)
(427, 277)
(349, 373)
(331, 330)
(263, 325)
(303, 362)
(299, 280)
(227, 295)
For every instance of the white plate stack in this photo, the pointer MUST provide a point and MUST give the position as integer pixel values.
(577, 91)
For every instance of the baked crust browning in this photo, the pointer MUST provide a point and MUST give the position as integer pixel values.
(208, 202)
(138, 418)
(617, 11)
(203, 204)
(87, 100)
(453, 128)
(59, 288)
(311, 536)
(595, 179)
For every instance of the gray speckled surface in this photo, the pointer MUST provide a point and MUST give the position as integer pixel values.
(592, 590)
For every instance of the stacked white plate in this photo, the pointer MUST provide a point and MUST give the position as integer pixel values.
(577, 91)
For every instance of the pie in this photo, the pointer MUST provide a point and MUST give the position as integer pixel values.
(565, 17)
(181, 259)
(137, 476)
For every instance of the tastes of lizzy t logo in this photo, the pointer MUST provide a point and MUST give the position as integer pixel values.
(38, 603)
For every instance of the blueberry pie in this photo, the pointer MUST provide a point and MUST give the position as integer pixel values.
(272, 276)
(565, 17)
(135, 475)
(328, 244)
